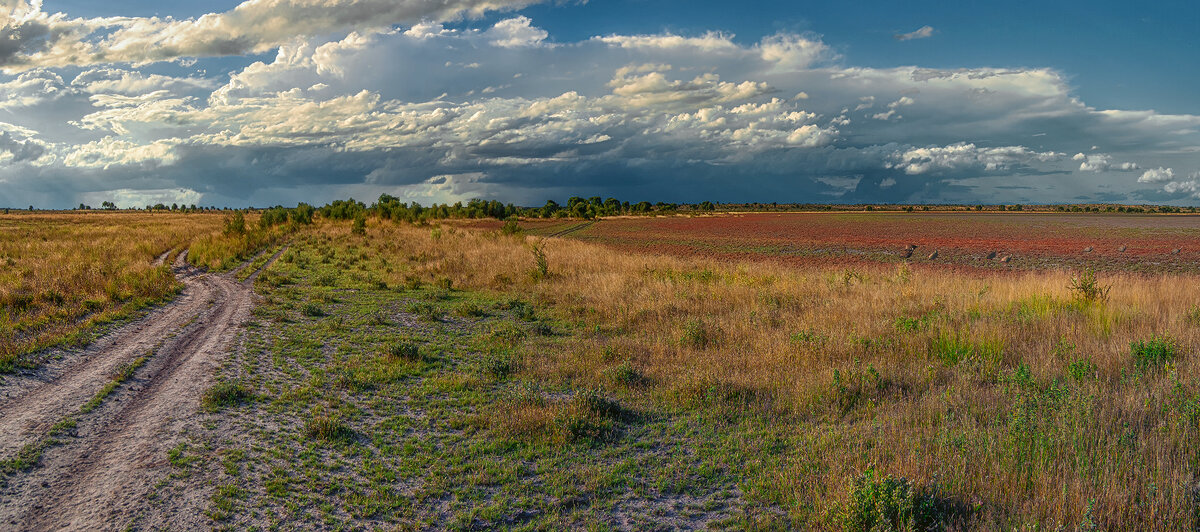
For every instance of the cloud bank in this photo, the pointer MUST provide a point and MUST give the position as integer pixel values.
(366, 96)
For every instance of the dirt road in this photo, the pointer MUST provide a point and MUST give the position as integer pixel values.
(97, 477)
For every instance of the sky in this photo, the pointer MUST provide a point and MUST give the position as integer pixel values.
(268, 102)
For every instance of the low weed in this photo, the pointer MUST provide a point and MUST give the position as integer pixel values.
(224, 394)
(1155, 352)
(402, 350)
(887, 503)
(327, 428)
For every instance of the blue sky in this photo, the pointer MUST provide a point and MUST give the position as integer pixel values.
(441, 100)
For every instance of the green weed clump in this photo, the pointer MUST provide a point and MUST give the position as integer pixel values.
(326, 428)
(470, 309)
(887, 503)
(223, 394)
(312, 310)
(1155, 352)
(499, 363)
(426, 311)
(625, 374)
(403, 351)
(1088, 289)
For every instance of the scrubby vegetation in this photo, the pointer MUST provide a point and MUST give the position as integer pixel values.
(403, 372)
(878, 398)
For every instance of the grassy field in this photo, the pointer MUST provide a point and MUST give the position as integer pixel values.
(427, 377)
(63, 275)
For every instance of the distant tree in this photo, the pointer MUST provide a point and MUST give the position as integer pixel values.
(108, 206)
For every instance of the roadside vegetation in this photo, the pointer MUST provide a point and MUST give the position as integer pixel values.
(428, 376)
(64, 275)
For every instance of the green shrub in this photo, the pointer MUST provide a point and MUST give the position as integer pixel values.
(625, 374)
(360, 225)
(499, 363)
(1155, 352)
(403, 351)
(520, 309)
(312, 310)
(326, 428)
(1081, 369)
(1088, 289)
(469, 309)
(510, 228)
(887, 503)
(223, 394)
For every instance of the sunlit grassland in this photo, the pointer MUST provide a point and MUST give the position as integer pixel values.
(61, 275)
(999, 400)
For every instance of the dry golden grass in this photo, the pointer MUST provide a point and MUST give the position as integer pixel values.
(62, 274)
(1019, 402)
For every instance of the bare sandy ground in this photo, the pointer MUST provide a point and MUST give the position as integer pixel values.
(97, 478)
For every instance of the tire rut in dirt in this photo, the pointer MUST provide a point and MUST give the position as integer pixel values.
(30, 406)
(99, 479)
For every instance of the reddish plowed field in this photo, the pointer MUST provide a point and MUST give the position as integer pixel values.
(1033, 240)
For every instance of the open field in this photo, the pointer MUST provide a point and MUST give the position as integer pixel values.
(1127, 242)
(63, 275)
(452, 376)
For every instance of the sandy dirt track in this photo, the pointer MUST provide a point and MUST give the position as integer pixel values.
(98, 477)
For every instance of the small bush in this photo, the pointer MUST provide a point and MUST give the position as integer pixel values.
(326, 279)
(499, 363)
(360, 225)
(469, 309)
(511, 228)
(589, 416)
(223, 394)
(887, 503)
(521, 309)
(541, 267)
(326, 428)
(312, 310)
(625, 374)
(1088, 289)
(1155, 352)
(1081, 369)
(444, 283)
(403, 351)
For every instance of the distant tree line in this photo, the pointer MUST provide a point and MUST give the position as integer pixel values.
(389, 207)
